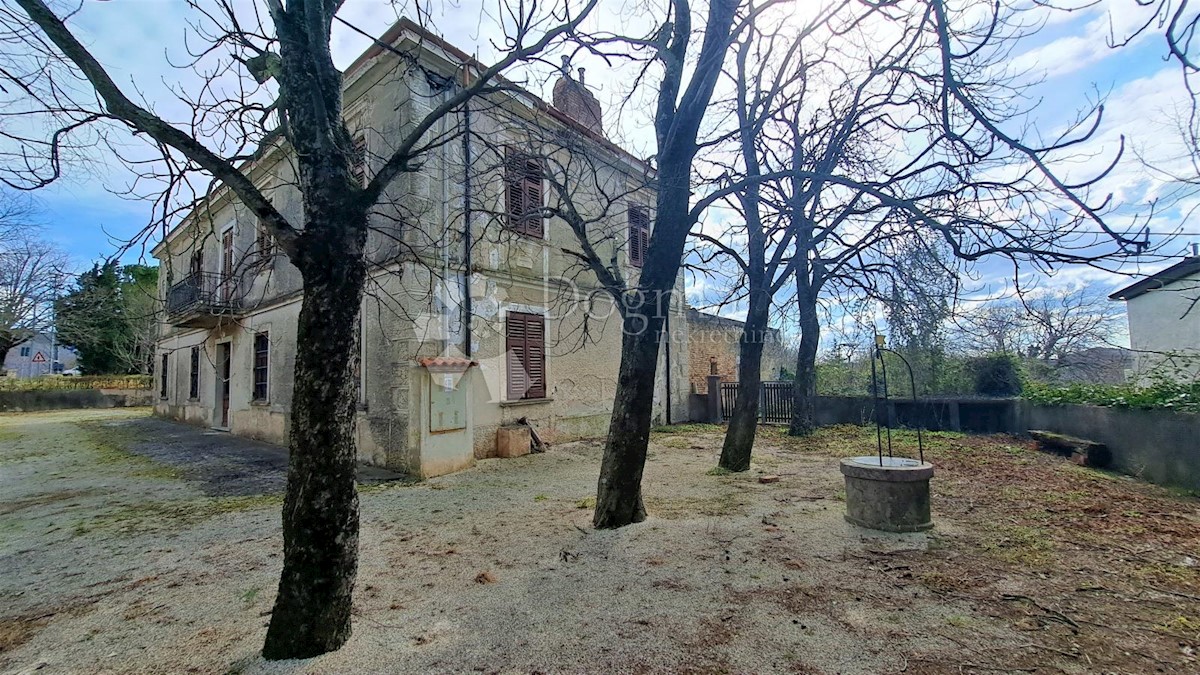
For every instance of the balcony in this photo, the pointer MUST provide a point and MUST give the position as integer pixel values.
(203, 300)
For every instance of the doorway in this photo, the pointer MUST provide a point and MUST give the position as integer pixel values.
(223, 367)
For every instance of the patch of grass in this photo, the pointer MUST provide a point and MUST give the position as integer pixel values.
(1163, 573)
(678, 442)
(250, 595)
(9, 435)
(109, 444)
(1089, 473)
(163, 515)
(1021, 544)
(673, 508)
(540, 498)
(689, 428)
(718, 471)
(959, 621)
(1181, 626)
(586, 503)
(1182, 493)
(17, 457)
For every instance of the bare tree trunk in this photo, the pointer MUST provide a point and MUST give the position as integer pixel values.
(743, 422)
(619, 493)
(805, 390)
(320, 511)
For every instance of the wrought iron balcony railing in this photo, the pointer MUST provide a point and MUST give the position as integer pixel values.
(201, 295)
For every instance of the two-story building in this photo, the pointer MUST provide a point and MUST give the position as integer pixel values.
(463, 268)
(1164, 323)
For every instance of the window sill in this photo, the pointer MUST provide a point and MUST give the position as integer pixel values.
(525, 401)
(261, 403)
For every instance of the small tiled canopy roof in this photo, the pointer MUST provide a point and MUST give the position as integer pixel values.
(454, 363)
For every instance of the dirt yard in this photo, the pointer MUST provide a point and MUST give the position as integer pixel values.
(117, 558)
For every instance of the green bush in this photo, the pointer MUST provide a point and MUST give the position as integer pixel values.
(58, 382)
(1159, 396)
(997, 375)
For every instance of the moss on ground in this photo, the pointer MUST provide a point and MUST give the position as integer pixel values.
(149, 516)
(109, 445)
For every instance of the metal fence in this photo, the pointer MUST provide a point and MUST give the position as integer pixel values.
(774, 401)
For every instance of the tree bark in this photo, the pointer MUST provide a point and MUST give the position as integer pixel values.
(320, 511)
(619, 492)
(805, 390)
(743, 422)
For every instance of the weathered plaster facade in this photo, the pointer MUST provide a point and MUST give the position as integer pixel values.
(445, 273)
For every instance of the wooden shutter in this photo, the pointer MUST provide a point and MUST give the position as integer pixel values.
(639, 235)
(358, 161)
(525, 348)
(514, 190)
(523, 193)
(532, 180)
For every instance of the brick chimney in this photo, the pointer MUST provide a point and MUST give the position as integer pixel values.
(573, 98)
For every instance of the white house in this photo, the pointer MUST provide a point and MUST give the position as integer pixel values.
(1164, 323)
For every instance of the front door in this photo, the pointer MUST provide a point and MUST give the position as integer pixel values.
(223, 361)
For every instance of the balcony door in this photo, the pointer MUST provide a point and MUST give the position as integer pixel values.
(227, 265)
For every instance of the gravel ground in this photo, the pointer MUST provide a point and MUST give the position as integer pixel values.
(117, 563)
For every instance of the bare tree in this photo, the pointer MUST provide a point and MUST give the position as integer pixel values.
(906, 138)
(684, 92)
(29, 272)
(1044, 324)
(286, 96)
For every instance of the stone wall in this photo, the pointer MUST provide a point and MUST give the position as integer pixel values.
(715, 339)
(1155, 445)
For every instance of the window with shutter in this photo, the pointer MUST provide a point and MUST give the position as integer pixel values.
(358, 161)
(194, 377)
(525, 347)
(639, 235)
(162, 375)
(262, 364)
(264, 243)
(523, 193)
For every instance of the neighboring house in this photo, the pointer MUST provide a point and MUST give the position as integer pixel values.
(1164, 323)
(543, 343)
(39, 356)
(714, 341)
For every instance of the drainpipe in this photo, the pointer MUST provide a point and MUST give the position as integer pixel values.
(667, 334)
(466, 280)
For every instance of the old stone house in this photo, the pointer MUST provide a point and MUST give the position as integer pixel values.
(460, 274)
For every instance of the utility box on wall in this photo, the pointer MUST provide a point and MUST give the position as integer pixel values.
(447, 435)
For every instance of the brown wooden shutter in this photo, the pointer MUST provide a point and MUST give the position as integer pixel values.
(358, 161)
(514, 191)
(525, 348)
(532, 180)
(639, 235)
(523, 193)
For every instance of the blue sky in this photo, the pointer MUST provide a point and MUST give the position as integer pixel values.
(132, 37)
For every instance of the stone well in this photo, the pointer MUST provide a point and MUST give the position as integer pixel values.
(891, 494)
